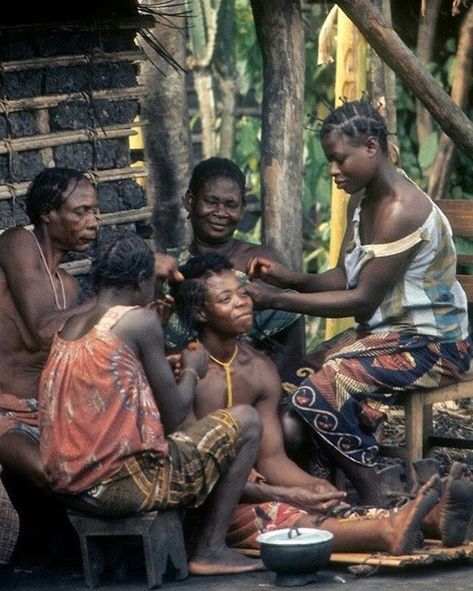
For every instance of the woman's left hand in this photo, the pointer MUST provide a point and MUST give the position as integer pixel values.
(163, 307)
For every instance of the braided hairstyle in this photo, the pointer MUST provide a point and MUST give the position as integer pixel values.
(216, 167)
(122, 259)
(50, 189)
(189, 295)
(355, 119)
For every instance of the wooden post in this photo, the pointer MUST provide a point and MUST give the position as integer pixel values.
(280, 34)
(350, 82)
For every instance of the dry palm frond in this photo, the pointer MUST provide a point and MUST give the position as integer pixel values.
(163, 11)
(326, 36)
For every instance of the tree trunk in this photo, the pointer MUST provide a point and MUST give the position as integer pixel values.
(281, 40)
(439, 183)
(225, 77)
(167, 139)
(410, 70)
(425, 49)
(204, 88)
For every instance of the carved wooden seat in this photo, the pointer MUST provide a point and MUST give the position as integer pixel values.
(160, 533)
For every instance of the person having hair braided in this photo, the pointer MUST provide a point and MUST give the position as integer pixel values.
(396, 275)
(110, 408)
(279, 494)
(215, 201)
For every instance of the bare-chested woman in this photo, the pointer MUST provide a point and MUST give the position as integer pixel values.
(36, 297)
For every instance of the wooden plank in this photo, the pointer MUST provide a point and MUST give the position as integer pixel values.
(92, 25)
(52, 100)
(97, 57)
(460, 215)
(14, 190)
(432, 551)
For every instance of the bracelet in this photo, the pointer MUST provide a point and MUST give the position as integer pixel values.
(192, 370)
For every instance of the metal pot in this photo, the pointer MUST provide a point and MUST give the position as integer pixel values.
(295, 554)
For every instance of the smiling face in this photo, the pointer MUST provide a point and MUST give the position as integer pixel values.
(352, 162)
(227, 308)
(215, 209)
(74, 225)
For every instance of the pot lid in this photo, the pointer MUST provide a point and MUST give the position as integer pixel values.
(295, 536)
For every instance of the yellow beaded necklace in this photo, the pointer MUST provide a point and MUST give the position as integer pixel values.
(227, 366)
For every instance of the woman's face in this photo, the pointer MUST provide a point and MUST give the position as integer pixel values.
(352, 162)
(216, 209)
(228, 307)
(74, 225)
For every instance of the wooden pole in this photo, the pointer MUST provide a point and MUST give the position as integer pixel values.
(280, 32)
(350, 83)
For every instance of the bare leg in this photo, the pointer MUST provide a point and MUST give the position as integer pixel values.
(398, 533)
(20, 453)
(296, 437)
(212, 555)
(364, 479)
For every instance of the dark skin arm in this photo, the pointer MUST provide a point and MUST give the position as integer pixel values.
(297, 496)
(142, 331)
(292, 484)
(31, 291)
(377, 276)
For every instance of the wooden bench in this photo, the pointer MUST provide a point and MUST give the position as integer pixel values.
(160, 533)
(420, 439)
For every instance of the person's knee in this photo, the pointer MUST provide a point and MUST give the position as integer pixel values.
(293, 430)
(249, 422)
(20, 454)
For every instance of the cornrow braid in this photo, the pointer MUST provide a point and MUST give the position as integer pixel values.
(355, 119)
(122, 259)
(189, 295)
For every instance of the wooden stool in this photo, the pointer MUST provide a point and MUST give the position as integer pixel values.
(161, 534)
(420, 439)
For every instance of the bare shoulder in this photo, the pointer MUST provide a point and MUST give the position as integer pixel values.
(243, 251)
(14, 238)
(259, 364)
(405, 213)
(142, 319)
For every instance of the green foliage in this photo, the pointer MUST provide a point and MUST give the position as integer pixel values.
(428, 150)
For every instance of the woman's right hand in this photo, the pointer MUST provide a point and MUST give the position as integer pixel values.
(196, 357)
(268, 270)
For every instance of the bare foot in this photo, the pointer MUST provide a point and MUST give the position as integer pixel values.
(406, 523)
(224, 561)
(449, 520)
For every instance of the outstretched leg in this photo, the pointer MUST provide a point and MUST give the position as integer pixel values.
(399, 532)
(212, 555)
